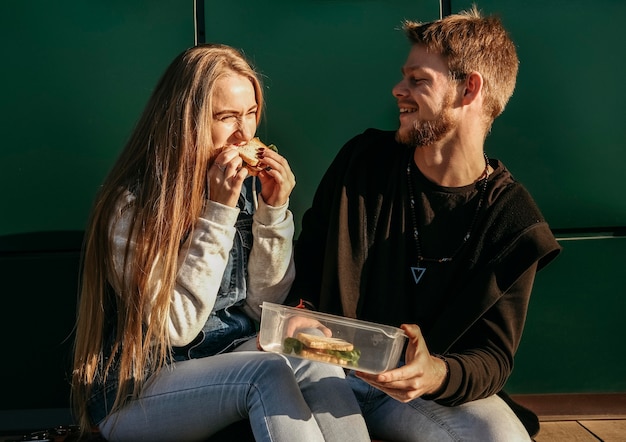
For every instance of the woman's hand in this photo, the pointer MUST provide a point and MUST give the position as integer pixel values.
(303, 324)
(422, 374)
(225, 177)
(277, 180)
(308, 325)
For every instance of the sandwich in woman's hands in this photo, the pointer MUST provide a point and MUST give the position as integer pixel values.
(248, 153)
(322, 348)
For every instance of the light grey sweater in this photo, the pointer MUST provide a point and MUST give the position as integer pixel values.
(203, 258)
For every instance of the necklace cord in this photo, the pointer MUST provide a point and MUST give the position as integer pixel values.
(468, 234)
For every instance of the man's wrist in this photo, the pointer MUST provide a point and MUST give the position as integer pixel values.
(444, 373)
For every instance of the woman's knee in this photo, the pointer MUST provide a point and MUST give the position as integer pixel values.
(273, 368)
(315, 371)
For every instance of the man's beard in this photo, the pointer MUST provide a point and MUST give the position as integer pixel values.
(425, 133)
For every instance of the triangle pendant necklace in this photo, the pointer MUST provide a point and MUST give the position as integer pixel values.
(418, 272)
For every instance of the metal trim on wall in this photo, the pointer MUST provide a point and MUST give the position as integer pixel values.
(198, 22)
(445, 8)
(571, 234)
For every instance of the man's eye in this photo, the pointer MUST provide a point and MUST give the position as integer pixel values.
(416, 81)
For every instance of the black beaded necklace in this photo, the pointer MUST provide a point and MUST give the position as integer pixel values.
(418, 271)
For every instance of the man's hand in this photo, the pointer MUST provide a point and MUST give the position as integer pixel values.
(422, 374)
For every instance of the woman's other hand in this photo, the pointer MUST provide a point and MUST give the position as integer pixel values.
(305, 324)
(277, 179)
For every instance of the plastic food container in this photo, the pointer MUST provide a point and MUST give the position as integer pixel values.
(376, 347)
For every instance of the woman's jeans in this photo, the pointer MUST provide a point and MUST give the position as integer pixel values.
(285, 399)
(483, 420)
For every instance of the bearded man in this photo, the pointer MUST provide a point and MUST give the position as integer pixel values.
(420, 229)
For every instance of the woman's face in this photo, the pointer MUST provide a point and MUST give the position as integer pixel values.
(234, 111)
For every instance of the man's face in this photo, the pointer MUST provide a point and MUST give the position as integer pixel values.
(425, 98)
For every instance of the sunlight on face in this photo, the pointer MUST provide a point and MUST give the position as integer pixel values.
(425, 96)
(234, 111)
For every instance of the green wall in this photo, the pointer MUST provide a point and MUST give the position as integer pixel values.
(574, 336)
(563, 133)
(75, 76)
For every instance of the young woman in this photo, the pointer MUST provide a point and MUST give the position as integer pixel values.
(181, 249)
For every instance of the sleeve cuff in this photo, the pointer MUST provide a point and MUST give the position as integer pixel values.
(269, 215)
(220, 213)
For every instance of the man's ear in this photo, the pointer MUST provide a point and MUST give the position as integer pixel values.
(473, 87)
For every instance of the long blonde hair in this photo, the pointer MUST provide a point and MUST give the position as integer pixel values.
(164, 165)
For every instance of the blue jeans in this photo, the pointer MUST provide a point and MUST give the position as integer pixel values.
(484, 420)
(285, 399)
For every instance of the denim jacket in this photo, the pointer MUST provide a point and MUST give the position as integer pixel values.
(227, 325)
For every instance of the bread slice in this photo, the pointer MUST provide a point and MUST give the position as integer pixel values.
(324, 343)
(310, 353)
(248, 153)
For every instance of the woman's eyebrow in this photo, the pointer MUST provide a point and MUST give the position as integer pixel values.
(223, 112)
(234, 111)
